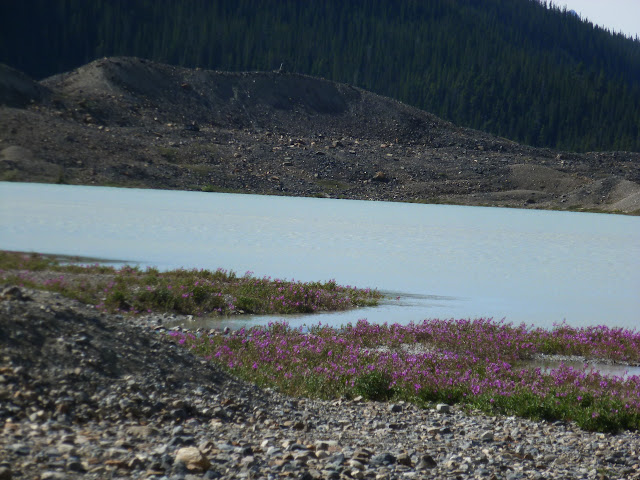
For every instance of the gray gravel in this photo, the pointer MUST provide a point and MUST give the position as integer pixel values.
(96, 396)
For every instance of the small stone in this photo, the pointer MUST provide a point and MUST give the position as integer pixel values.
(5, 473)
(383, 459)
(426, 461)
(273, 451)
(192, 458)
(20, 448)
(330, 474)
(380, 177)
(295, 446)
(321, 445)
(362, 455)
(404, 459)
(395, 408)
(69, 439)
(320, 454)
(443, 408)
(336, 459)
(453, 461)
(487, 436)
(13, 293)
(52, 476)
(314, 474)
(220, 412)
(75, 465)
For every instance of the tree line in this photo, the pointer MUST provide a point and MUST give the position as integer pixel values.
(520, 69)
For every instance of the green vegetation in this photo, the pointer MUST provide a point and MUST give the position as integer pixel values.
(516, 68)
(480, 364)
(374, 386)
(189, 292)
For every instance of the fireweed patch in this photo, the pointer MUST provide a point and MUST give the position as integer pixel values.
(479, 363)
(192, 292)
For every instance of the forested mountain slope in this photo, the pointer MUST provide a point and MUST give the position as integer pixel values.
(514, 68)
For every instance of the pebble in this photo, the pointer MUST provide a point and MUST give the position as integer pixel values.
(486, 436)
(140, 407)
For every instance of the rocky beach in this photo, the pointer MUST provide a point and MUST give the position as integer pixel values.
(94, 395)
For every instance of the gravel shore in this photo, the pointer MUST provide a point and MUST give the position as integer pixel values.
(94, 396)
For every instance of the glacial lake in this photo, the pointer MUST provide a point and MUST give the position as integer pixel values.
(433, 261)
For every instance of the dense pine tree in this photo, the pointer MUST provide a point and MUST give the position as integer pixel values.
(515, 68)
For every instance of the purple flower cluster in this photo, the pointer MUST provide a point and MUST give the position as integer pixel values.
(458, 360)
(195, 292)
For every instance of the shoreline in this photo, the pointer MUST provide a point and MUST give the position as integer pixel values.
(116, 399)
(462, 201)
(374, 149)
(131, 289)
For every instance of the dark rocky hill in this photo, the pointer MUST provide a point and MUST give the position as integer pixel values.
(129, 122)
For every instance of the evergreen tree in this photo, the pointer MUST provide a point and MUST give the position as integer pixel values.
(516, 68)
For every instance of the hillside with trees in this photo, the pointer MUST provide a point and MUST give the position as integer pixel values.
(519, 69)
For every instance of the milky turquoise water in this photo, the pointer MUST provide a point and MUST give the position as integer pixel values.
(536, 267)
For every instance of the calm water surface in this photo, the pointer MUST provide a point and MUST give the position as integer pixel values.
(536, 267)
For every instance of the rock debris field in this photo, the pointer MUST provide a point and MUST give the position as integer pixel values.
(131, 122)
(97, 396)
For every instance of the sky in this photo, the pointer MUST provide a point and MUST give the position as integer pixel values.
(616, 15)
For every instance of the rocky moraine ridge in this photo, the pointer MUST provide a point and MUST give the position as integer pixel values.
(93, 396)
(130, 122)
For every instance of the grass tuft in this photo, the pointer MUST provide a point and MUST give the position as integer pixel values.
(189, 292)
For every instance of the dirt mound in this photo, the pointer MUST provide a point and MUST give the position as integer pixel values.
(60, 341)
(291, 103)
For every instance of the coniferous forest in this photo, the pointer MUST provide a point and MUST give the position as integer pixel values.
(519, 69)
